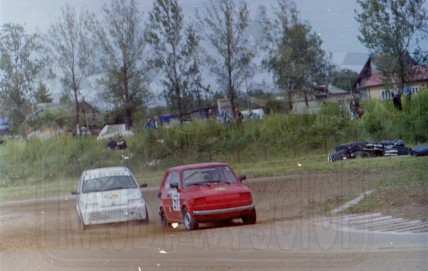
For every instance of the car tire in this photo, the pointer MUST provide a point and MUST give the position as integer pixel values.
(164, 219)
(360, 154)
(146, 220)
(81, 223)
(189, 222)
(251, 218)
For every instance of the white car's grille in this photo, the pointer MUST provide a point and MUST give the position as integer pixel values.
(107, 214)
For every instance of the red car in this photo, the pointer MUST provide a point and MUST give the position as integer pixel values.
(204, 192)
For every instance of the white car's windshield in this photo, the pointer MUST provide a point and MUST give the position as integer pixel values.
(108, 183)
(208, 176)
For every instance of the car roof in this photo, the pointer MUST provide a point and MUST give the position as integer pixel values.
(197, 165)
(106, 171)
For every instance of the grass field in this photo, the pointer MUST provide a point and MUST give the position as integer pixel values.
(407, 171)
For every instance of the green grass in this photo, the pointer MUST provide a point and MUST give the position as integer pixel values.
(399, 171)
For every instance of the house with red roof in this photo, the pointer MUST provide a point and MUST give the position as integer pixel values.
(370, 85)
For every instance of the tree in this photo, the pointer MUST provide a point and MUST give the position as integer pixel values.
(72, 51)
(20, 64)
(343, 79)
(175, 53)
(120, 36)
(295, 56)
(226, 28)
(390, 29)
(42, 94)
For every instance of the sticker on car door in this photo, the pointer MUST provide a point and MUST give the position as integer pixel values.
(176, 201)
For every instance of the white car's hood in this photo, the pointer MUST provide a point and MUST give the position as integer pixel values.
(110, 198)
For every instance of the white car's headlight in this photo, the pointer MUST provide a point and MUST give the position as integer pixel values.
(135, 202)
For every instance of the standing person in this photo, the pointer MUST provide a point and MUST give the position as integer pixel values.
(146, 124)
(76, 131)
(354, 104)
(211, 114)
(238, 116)
(407, 92)
(396, 98)
(155, 123)
(150, 124)
(226, 117)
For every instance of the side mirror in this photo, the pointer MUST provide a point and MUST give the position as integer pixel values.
(74, 192)
(143, 185)
(242, 177)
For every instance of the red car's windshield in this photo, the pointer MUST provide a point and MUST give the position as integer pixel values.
(208, 176)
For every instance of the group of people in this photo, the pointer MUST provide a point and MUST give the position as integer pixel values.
(357, 111)
(151, 123)
(80, 131)
(226, 117)
(120, 144)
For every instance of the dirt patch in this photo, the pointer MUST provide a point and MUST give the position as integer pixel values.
(23, 224)
(406, 202)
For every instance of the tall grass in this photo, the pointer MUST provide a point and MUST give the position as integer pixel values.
(275, 143)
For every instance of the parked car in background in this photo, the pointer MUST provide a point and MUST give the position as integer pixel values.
(356, 149)
(419, 151)
(253, 114)
(369, 149)
(204, 192)
(110, 194)
(395, 147)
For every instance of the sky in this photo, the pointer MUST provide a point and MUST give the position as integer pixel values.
(333, 20)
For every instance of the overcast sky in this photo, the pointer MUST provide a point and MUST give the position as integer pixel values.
(333, 20)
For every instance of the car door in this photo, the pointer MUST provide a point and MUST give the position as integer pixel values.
(170, 196)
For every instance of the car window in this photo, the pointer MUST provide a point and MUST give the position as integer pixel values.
(107, 183)
(228, 175)
(172, 178)
(204, 176)
(192, 177)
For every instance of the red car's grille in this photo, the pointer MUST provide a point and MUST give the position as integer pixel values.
(223, 201)
(222, 198)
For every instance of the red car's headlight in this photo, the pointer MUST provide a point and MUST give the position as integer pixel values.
(200, 201)
(245, 196)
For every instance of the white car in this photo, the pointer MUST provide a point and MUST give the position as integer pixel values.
(110, 194)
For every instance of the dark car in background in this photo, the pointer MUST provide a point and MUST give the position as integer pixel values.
(368, 149)
(356, 149)
(395, 147)
(419, 151)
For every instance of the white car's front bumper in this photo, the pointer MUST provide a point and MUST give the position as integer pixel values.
(113, 214)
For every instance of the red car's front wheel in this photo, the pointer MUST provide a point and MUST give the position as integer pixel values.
(251, 218)
(189, 222)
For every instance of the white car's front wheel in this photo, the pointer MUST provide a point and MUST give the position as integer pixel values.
(146, 220)
(81, 223)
